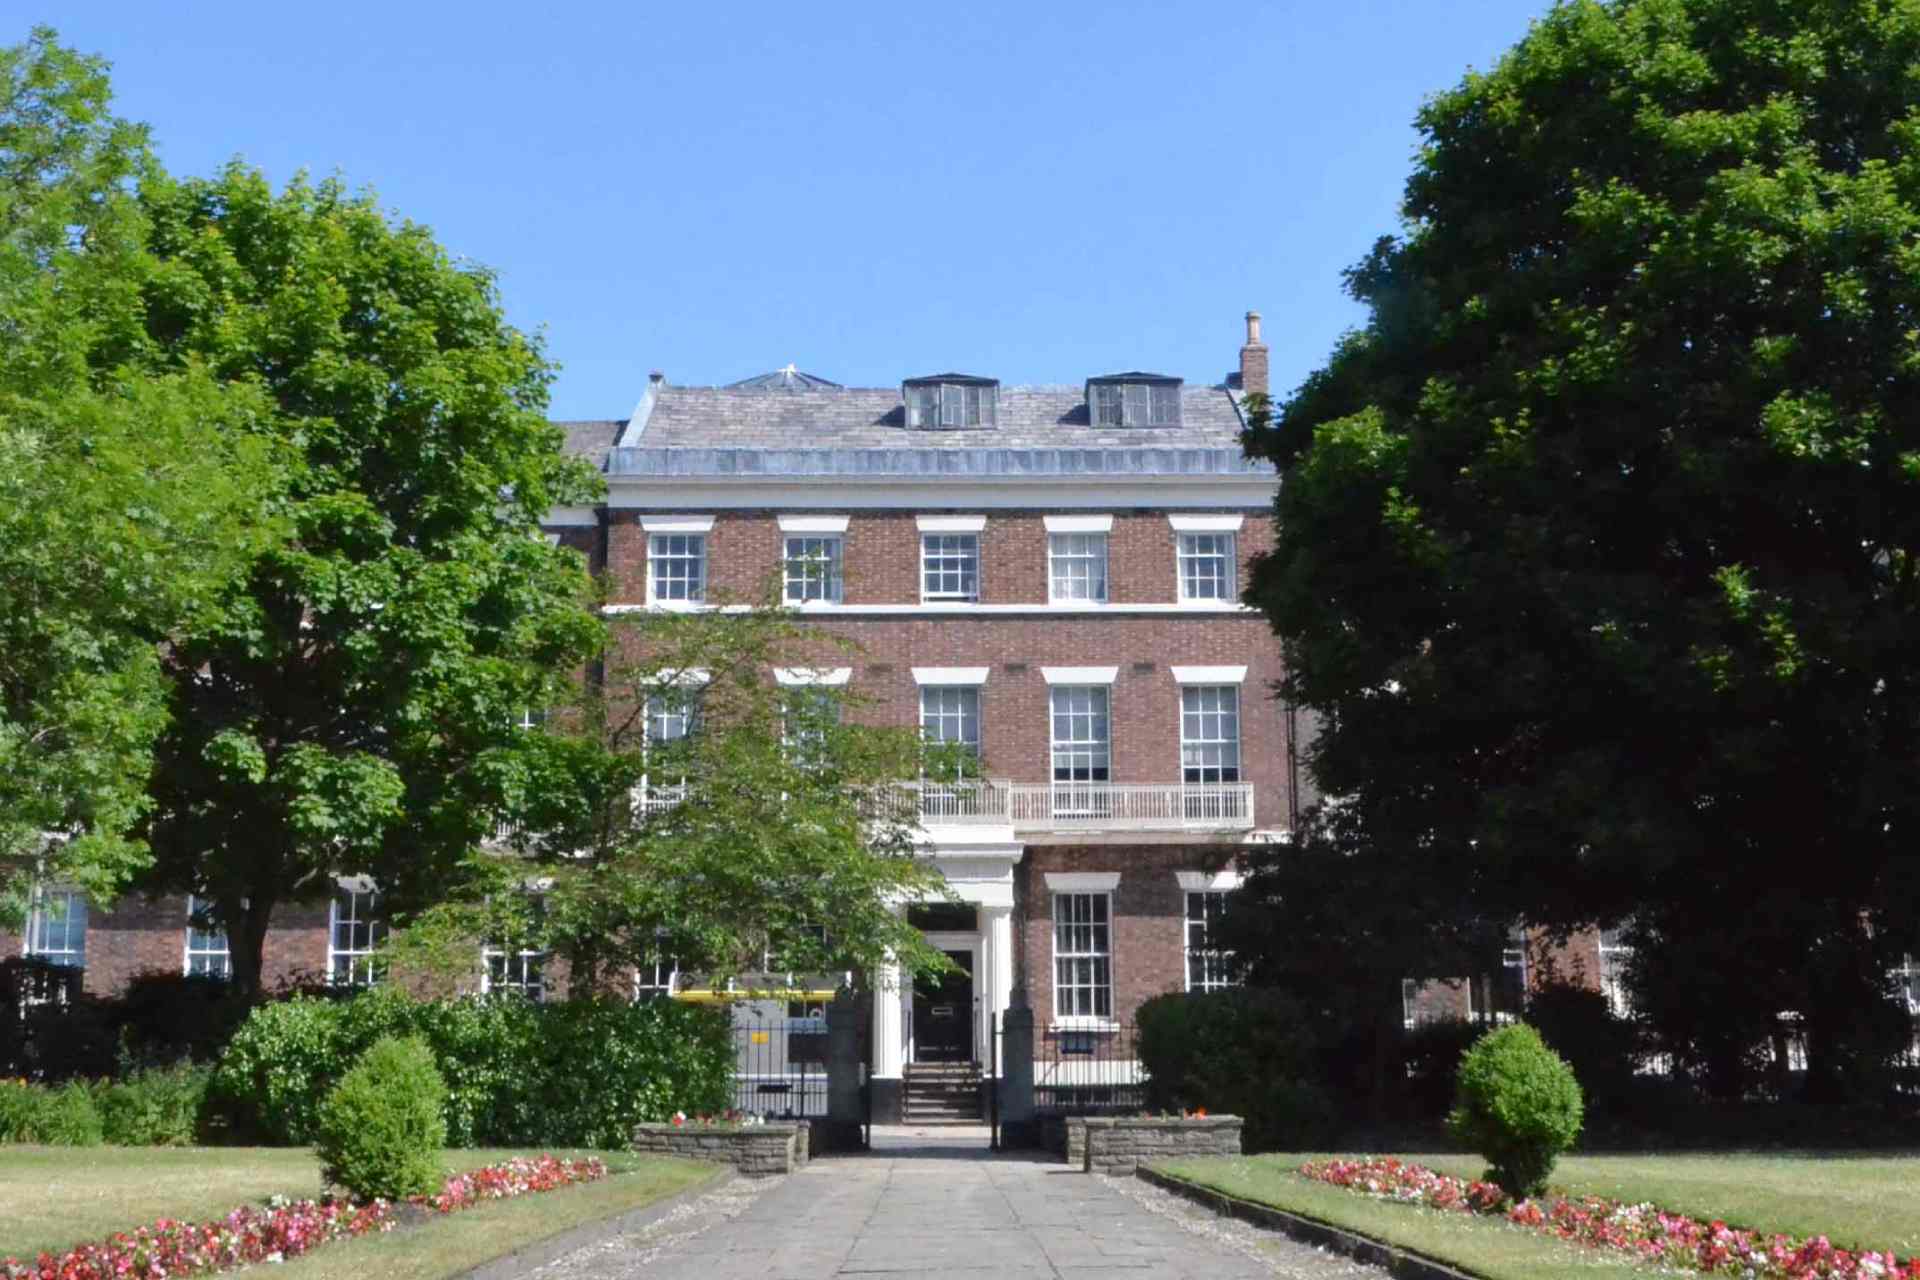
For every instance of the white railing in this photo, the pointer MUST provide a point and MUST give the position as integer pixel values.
(978, 802)
(1114, 806)
(1044, 806)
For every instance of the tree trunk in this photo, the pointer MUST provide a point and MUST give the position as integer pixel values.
(246, 923)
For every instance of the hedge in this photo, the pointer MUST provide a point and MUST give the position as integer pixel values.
(575, 1073)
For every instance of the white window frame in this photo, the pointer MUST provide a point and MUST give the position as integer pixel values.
(677, 549)
(58, 937)
(1207, 713)
(522, 970)
(1082, 958)
(353, 965)
(657, 981)
(1077, 568)
(206, 948)
(954, 551)
(1211, 961)
(954, 711)
(1072, 753)
(1614, 953)
(1480, 991)
(816, 572)
(1210, 559)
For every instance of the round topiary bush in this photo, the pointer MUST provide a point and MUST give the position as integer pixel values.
(1518, 1105)
(380, 1129)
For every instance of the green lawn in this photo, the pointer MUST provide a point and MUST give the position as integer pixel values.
(1858, 1201)
(53, 1198)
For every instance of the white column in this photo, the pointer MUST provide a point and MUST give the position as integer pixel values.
(999, 965)
(889, 1032)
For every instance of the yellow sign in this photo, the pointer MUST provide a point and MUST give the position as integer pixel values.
(758, 1037)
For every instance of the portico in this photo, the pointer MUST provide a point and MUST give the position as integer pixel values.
(916, 1025)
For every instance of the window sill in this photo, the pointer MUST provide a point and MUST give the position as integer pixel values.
(1083, 1024)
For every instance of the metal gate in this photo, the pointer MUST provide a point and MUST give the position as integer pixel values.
(780, 1066)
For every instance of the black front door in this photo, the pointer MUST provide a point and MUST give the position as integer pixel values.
(943, 1013)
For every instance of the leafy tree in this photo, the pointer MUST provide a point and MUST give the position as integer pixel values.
(1603, 534)
(126, 493)
(688, 807)
(351, 706)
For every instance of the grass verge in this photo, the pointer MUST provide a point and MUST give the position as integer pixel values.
(449, 1246)
(52, 1198)
(1484, 1246)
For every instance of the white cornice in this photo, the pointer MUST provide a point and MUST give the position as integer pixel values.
(802, 676)
(1206, 523)
(571, 518)
(1082, 881)
(1209, 675)
(1253, 494)
(1080, 524)
(1184, 608)
(951, 675)
(1080, 675)
(677, 524)
(951, 524)
(1216, 882)
(813, 524)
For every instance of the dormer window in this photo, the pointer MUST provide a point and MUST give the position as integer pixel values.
(1134, 400)
(951, 402)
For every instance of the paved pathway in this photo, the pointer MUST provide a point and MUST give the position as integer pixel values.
(934, 1203)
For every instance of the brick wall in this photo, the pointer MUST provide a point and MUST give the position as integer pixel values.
(1148, 917)
(1015, 724)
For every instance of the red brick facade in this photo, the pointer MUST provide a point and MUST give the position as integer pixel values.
(141, 935)
(1148, 918)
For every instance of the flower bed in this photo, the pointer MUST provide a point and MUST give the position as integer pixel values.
(283, 1229)
(1650, 1234)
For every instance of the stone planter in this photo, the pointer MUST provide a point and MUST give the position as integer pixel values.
(757, 1150)
(1121, 1144)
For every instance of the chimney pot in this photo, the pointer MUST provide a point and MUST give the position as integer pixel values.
(1253, 359)
(656, 377)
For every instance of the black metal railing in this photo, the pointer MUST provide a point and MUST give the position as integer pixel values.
(1095, 1071)
(780, 1067)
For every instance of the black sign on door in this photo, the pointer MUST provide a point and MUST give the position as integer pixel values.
(943, 1013)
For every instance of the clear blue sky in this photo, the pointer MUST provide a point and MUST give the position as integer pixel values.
(1036, 192)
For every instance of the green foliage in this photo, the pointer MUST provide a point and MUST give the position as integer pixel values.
(351, 705)
(781, 823)
(578, 1073)
(57, 1116)
(1518, 1105)
(1579, 1024)
(1237, 1052)
(379, 1131)
(127, 492)
(157, 1107)
(1429, 1058)
(1603, 558)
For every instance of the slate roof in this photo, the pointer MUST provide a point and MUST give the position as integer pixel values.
(876, 418)
(592, 439)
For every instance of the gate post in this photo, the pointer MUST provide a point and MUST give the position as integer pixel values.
(1018, 1127)
(845, 1112)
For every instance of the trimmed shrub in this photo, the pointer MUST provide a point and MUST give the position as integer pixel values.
(158, 1107)
(1242, 1051)
(1518, 1105)
(579, 1073)
(380, 1130)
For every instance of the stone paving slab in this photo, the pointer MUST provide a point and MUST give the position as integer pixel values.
(927, 1204)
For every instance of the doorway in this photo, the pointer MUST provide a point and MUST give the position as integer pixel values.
(943, 1013)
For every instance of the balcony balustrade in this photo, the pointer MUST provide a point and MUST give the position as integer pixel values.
(1043, 806)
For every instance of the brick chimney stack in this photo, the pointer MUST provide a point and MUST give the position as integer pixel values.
(1253, 359)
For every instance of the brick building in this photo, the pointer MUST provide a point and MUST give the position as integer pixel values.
(1049, 576)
